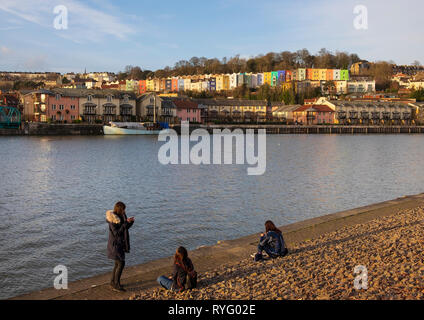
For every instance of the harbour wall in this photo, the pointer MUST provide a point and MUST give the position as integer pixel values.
(46, 129)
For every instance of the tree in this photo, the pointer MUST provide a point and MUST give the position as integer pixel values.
(418, 94)
(288, 97)
(416, 63)
(382, 72)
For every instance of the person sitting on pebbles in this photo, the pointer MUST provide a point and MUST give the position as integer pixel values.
(183, 269)
(272, 242)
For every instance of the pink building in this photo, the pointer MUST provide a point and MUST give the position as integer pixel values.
(187, 110)
(63, 108)
(314, 114)
(51, 105)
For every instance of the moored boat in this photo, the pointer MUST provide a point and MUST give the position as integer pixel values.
(136, 128)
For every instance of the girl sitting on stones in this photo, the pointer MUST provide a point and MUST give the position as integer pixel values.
(272, 242)
(183, 269)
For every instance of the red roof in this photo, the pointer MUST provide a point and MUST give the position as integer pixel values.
(185, 104)
(316, 107)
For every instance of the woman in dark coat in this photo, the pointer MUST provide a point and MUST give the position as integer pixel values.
(182, 267)
(119, 242)
(272, 242)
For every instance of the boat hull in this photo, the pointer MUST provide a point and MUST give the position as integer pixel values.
(107, 130)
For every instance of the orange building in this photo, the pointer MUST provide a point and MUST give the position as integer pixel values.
(174, 84)
(330, 74)
(142, 86)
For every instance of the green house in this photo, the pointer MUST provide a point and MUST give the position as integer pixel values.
(344, 74)
(274, 78)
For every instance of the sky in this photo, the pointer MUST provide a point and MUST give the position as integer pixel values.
(106, 35)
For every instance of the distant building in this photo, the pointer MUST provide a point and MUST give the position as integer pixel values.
(56, 105)
(187, 110)
(372, 111)
(360, 86)
(314, 114)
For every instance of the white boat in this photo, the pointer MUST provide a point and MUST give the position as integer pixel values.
(123, 128)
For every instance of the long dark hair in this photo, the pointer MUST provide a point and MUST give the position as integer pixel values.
(181, 258)
(270, 226)
(119, 208)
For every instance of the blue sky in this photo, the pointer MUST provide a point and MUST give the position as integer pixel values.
(105, 35)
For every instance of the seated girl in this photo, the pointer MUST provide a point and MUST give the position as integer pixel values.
(272, 242)
(183, 267)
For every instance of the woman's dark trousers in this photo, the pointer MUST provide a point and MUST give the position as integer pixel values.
(117, 272)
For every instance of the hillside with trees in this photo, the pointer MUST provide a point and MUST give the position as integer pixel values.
(271, 61)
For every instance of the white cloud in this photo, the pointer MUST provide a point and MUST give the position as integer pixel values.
(85, 23)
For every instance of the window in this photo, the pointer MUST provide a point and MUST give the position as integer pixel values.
(72, 117)
(61, 106)
(109, 98)
(57, 96)
(90, 98)
(53, 107)
(72, 107)
(54, 117)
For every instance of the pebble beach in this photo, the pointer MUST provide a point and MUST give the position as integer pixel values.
(390, 248)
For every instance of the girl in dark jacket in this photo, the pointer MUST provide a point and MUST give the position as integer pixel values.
(119, 242)
(272, 242)
(182, 267)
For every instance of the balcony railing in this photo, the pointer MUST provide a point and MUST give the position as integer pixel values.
(109, 111)
(89, 111)
(365, 115)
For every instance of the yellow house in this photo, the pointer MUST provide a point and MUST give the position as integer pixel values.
(267, 77)
(315, 74)
(150, 86)
(226, 82)
(219, 82)
(322, 74)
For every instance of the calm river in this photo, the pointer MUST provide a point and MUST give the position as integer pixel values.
(54, 192)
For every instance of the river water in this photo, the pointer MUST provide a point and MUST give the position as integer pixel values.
(54, 192)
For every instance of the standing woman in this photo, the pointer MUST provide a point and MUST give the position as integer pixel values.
(119, 242)
(272, 242)
(183, 267)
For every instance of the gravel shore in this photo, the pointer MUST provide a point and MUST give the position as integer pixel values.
(391, 248)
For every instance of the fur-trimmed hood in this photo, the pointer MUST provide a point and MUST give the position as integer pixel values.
(112, 217)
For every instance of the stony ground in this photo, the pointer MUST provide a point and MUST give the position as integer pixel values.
(391, 248)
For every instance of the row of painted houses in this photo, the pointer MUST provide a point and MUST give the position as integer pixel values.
(222, 82)
(300, 80)
(95, 105)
